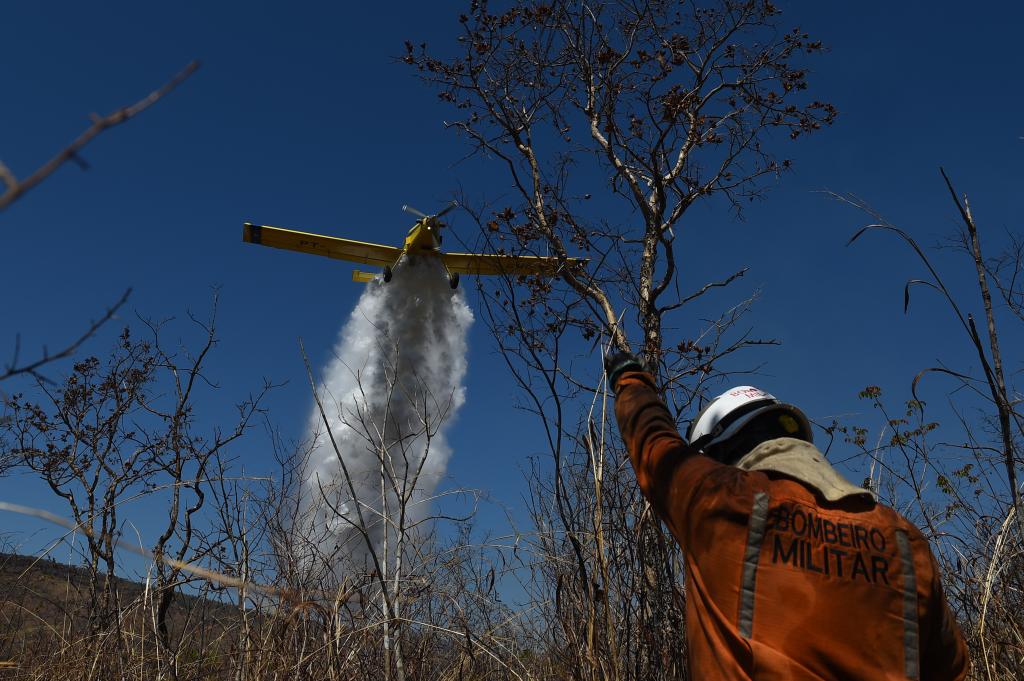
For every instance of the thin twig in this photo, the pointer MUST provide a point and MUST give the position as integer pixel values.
(16, 188)
(33, 367)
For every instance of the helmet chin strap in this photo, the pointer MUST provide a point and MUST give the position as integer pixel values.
(700, 442)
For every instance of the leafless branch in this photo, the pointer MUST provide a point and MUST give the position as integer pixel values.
(15, 188)
(32, 368)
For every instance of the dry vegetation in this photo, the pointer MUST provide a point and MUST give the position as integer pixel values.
(672, 106)
(957, 479)
(591, 588)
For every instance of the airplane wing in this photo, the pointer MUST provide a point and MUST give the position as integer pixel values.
(492, 263)
(330, 246)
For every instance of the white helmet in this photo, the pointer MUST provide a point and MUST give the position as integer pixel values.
(725, 415)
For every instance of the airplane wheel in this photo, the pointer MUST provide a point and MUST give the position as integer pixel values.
(453, 280)
(387, 273)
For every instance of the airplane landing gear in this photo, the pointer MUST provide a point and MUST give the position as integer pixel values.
(453, 280)
(387, 273)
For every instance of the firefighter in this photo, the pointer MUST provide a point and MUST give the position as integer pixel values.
(792, 572)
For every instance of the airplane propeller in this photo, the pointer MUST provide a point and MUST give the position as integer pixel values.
(409, 209)
(450, 206)
(420, 214)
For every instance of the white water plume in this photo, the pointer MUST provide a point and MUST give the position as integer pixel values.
(389, 394)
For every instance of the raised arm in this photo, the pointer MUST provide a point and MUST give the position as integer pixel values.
(667, 469)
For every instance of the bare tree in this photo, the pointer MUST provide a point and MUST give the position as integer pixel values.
(183, 465)
(657, 106)
(111, 433)
(84, 446)
(673, 103)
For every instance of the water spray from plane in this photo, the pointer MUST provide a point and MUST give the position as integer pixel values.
(390, 393)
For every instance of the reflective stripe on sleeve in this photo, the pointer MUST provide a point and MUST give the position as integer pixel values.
(911, 645)
(755, 535)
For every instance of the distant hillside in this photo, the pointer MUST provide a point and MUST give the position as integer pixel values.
(48, 589)
(41, 594)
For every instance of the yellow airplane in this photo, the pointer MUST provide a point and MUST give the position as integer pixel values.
(423, 240)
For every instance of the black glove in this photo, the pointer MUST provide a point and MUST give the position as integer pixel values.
(616, 363)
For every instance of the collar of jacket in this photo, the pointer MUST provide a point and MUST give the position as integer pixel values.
(801, 460)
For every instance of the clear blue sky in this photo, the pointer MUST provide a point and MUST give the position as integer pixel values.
(300, 117)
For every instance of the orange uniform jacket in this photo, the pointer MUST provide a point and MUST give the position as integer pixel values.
(782, 584)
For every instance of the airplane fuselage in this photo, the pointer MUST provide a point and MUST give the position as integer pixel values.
(423, 239)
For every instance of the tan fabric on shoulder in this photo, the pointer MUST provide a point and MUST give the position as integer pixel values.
(801, 460)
